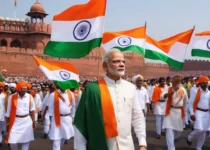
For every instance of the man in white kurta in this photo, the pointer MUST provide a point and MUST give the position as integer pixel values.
(159, 107)
(2, 111)
(67, 111)
(22, 129)
(126, 106)
(142, 93)
(201, 114)
(45, 114)
(173, 121)
(37, 100)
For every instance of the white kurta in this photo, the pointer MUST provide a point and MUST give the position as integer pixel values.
(159, 107)
(150, 91)
(2, 106)
(202, 121)
(22, 129)
(174, 119)
(127, 111)
(66, 130)
(38, 104)
(143, 97)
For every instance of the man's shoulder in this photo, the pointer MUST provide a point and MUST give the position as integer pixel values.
(128, 84)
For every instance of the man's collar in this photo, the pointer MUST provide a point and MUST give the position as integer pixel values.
(112, 81)
(203, 90)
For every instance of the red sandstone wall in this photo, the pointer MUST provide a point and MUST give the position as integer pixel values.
(20, 61)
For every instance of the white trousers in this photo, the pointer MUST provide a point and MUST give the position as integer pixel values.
(171, 135)
(24, 146)
(46, 124)
(57, 144)
(159, 123)
(201, 135)
(1, 137)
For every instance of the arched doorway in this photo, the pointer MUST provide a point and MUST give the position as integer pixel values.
(3, 43)
(15, 43)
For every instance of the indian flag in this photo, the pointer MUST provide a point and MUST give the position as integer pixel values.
(130, 40)
(201, 46)
(171, 50)
(64, 74)
(77, 30)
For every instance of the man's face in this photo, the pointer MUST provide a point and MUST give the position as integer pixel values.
(23, 91)
(139, 82)
(1, 89)
(153, 82)
(115, 66)
(6, 87)
(13, 90)
(162, 83)
(204, 85)
(176, 83)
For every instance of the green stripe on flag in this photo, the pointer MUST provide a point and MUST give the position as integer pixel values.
(71, 49)
(131, 48)
(200, 53)
(158, 56)
(69, 84)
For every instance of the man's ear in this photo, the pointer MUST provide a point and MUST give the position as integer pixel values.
(105, 66)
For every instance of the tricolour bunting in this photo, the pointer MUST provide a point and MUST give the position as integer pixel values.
(77, 30)
(130, 40)
(64, 74)
(171, 50)
(201, 46)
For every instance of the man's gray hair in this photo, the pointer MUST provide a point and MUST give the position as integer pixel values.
(108, 53)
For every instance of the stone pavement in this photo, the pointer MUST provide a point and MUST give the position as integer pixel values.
(153, 143)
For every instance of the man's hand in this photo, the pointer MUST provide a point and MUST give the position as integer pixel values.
(34, 125)
(192, 117)
(142, 148)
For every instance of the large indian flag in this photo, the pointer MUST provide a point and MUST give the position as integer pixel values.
(64, 74)
(77, 30)
(130, 40)
(201, 46)
(171, 50)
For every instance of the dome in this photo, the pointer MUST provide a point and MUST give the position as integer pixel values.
(1, 18)
(22, 20)
(37, 7)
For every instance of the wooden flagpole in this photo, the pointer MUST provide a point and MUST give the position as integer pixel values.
(99, 61)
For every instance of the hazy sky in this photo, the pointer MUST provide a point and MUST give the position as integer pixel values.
(164, 17)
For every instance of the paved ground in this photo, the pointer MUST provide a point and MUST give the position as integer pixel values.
(153, 143)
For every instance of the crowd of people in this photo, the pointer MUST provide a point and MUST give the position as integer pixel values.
(99, 114)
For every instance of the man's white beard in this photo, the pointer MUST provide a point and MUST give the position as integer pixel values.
(115, 72)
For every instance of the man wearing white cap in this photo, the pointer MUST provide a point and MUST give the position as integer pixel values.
(12, 87)
(142, 93)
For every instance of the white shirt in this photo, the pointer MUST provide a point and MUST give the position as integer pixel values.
(2, 106)
(64, 107)
(24, 105)
(127, 111)
(38, 102)
(142, 96)
(150, 91)
(204, 102)
(193, 90)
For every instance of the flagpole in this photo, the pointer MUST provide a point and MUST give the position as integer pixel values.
(99, 60)
(189, 43)
(15, 4)
(144, 48)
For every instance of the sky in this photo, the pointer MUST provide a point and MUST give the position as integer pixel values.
(164, 17)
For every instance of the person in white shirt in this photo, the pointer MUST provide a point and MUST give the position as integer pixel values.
(2, 111)
(199, 105)
(176, 110)
(45, 115)
(159, 105)
(110, 130)
(19, 121)
(37, 100)
(142, 93)
(61, 109)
